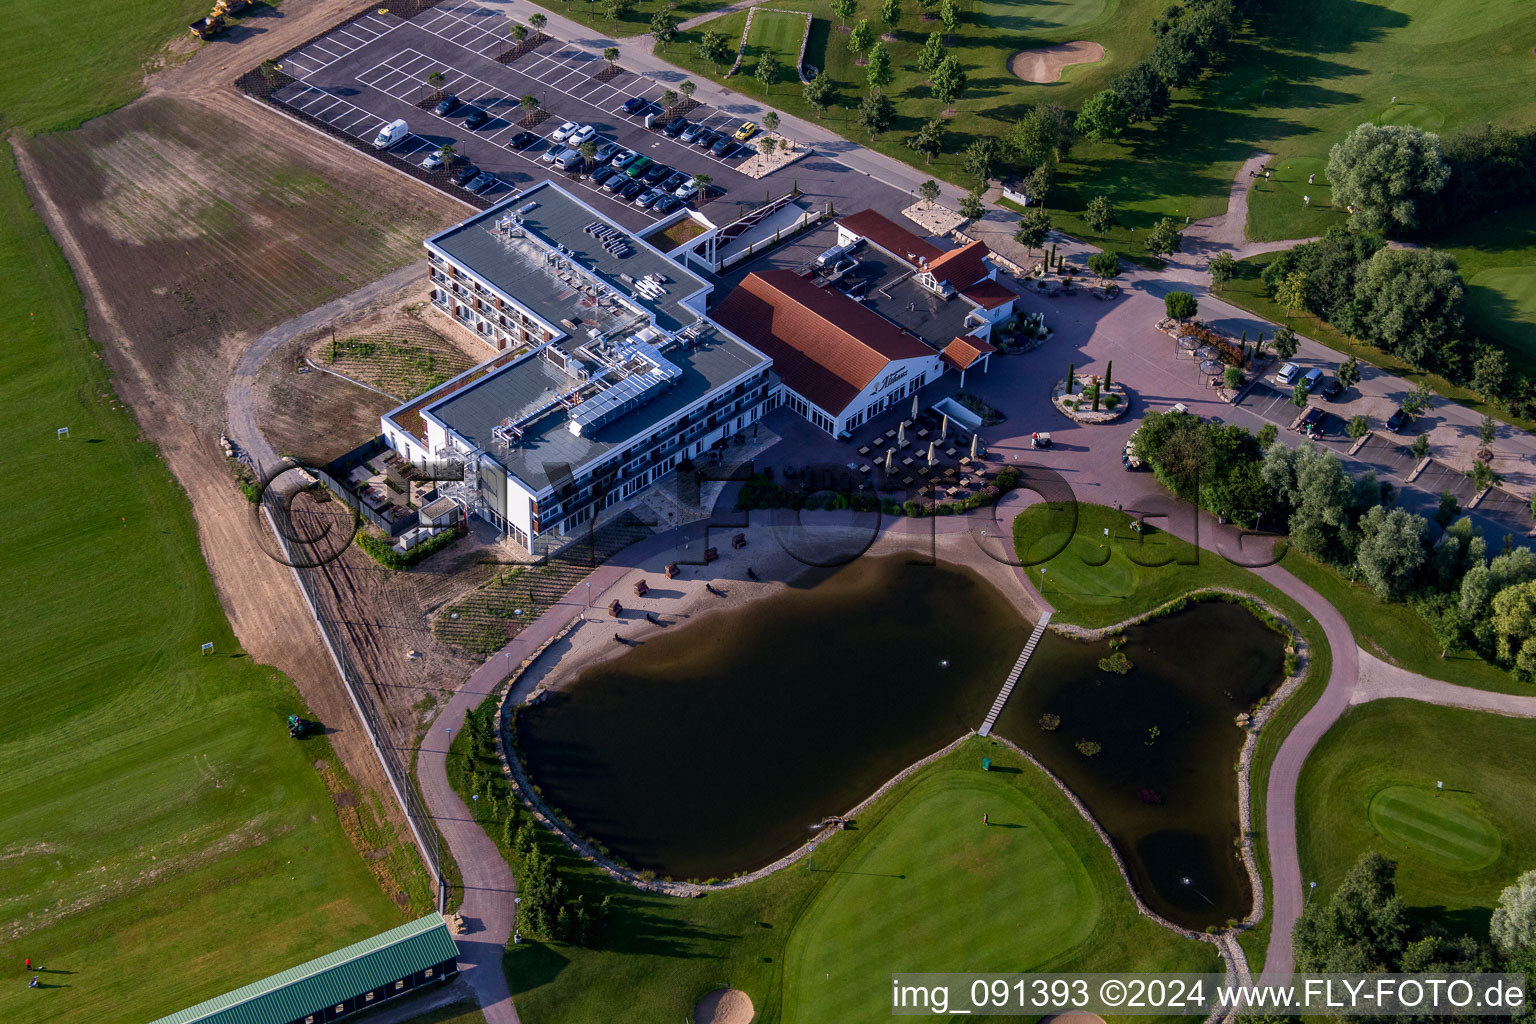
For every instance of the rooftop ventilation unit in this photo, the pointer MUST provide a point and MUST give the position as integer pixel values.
(637, 372)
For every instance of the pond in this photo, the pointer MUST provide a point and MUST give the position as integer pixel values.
(1162, 783)
(715, 747)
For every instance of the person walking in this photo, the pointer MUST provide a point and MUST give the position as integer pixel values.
(29, 963)
(984, 819)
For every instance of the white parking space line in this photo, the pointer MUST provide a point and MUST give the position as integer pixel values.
(314, 57)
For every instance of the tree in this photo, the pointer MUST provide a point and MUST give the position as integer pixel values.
(1417, 400)
(1102, 116)
(861, 38)
(1180, 305)
(771, 122)
(1286, 343)
(1348, 372)
(687, 87)
(447, 154)
(668, 101)
(611, 55)
(1448, 510)
(876, 113)
(617, 10)
(509, 827)
(929, 190)
(767, 72)
(890, 13)
(1319, 492)
(928, 141)
(1033, 228)
(1104, 265)
(1037, 185)
(435, 83)
(663, 27)
(1071, 378)
(1420, 446)
(588, 151)
(1487, 429)
(1385, 174)
(538, 21)
(1291, 293)
(949, 14)
(949, 80)
(1176, 59)
(1391, 553)
(766, 144)
(844, 10)
(701, 182)
(269, 70)
(1100, 215)
(1143, 94)
(529, 104)
(1358, 427)
(1490, 375)
(1222, 268)
(1164, 238)
(518, 32)
(980, 159)
(970, 205)
(1484, 476)
(1514, 628)
(820, 93)
(1513, 928)
(932, 54)
(1299, 395)
(1234, 377)
(714, 49)
(879, 73)
(1363, 926)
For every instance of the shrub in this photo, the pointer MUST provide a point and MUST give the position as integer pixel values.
(1050, 722)
(383, 552)
(1088, 748)
(1117, 663)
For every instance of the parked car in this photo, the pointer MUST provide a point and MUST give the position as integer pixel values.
(476, 118)
(690, 133)
(722, 146)
(746, 131)
(391, 135)
(624, 159)
(686, 191)
(1312, 378)
(563, 132)
(1333, 389)
(447, 105)
(570, 160)
(638, 168)
(666, 204)
(1310, 420)
(648, 197)
(464, 174)
(672, 182)
(656, 174)
(618, 181)
(433, 160)
(522, 140)
(1288, 373)
(601, 175)
(607, 151)
(481, 182)
(581, 135)
(553, 153)
(706, 139)
(635, 104)
(633, 189)
(675, 127)
(1398, 420)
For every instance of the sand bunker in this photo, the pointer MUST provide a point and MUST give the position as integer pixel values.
(724, 1006)
(1047, 63)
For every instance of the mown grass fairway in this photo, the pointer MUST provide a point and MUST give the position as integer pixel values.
(920, 882)
(779, 34)
(1370, 784)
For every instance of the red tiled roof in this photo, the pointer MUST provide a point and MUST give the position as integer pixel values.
(989, 294)
(890, 236)
(825, 346)
(961, 267)
(962, 353)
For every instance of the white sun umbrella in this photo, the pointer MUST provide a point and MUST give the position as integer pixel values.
(890, 460)
(944, 427)
(975, 444)
(933, 455)
(901, 433)
(914, 406)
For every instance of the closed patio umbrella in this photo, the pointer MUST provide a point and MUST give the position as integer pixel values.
(901, 434)
(944, 427)
(890, 460)
(914, 406)
(975, 444)
(933, 455)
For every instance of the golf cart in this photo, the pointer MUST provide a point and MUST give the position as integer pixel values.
(298, 727)
(1040, 440)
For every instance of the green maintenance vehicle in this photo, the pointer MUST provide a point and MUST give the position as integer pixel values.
(298, 727)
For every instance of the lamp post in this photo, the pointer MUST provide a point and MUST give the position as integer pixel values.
(810, 855)
(1308, 900)
(476, 805)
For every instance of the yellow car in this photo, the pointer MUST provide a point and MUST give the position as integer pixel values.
(746, 131)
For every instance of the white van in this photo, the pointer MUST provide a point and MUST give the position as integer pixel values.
(569, 160)
(391, 135)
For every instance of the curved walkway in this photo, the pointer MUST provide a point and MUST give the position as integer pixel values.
(1380, 680)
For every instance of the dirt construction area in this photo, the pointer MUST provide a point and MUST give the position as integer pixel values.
(194, 219)
(1047, 63)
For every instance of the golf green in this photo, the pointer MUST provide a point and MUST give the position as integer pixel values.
(1503, 301)
(1449, 827)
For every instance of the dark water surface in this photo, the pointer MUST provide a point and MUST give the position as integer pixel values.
(715, 747)
(1169, 801)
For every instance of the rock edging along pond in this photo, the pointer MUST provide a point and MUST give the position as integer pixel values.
(1299, 662)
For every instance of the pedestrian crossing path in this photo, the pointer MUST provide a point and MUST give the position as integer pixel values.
(1013, 676)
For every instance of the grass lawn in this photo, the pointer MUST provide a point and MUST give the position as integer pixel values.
(465, 1011)
(942, 905)
(638, 21)
(1497, 255)
(1396, 633)
(1247, 292)
(989, 35)
(166, 839)
(1370, 784)
(1092, 585)
(779, 34)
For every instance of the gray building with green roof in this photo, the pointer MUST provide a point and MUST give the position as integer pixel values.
(339, 984)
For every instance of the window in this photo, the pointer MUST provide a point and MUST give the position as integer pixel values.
(368, 998)
(399, 985)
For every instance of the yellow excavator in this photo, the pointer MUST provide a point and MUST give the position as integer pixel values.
(206, 28)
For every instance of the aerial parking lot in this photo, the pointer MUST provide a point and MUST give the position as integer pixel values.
(378, 69)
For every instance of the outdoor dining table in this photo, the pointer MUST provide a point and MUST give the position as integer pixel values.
(950, 452)
(864, 450)
(923, 432)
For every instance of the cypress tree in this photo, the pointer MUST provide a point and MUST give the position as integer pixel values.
(1109, 368)
(1070, 377)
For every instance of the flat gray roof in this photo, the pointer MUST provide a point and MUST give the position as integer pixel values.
(895, 295)
(558, 218)
(474, 412)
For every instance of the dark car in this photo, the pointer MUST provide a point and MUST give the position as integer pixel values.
(706, 139)
(1312, 422)
(1332, 389)
(632, 190)
(601, 175)
(673, 180)
(464, 173)
(606, 151)
(481, 182)
(447, 105)
(476, 118)
(635, 104)
(1398, 420)
(522, 140)
(666, 204)
(656, 174)
(675, 127)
